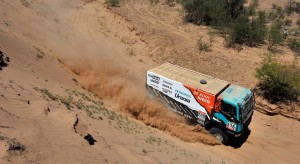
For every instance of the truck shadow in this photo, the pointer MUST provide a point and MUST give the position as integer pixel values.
(235, 142)
(238, 142)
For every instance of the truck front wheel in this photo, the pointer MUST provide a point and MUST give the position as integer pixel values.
(219, 135)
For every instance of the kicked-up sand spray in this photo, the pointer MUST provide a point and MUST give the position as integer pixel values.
(119, 86)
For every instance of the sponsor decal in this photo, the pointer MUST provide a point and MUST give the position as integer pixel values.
(168, 83)
(166, 86)
(201, 116)
(218, 105)
(202, 97)
(179, 106)
(182, 93)
(154, 79)
(182, 96)
(166, 91)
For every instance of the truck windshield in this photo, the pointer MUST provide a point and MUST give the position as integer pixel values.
(247, 106)
(229, 110)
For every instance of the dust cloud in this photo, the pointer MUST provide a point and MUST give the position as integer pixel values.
(119, 85)
(102, 70)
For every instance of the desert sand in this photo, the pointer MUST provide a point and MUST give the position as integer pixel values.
(78, 67)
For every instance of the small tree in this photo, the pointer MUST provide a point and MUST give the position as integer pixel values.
(275, 35)
(241, 31)
(259, 30)
(251, 33)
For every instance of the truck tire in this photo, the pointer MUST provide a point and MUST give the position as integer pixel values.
(219, 135)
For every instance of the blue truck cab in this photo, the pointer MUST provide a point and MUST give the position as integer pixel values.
(233, 112)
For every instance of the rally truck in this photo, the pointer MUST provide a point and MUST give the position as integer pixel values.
(222, 108)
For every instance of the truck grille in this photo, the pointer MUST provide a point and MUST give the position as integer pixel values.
(246, 110)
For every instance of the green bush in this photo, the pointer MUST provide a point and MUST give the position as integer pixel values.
(48, 93)
(241, 31)
(153, 2)
(203, 46)
(278, 14)
(251, 33)
(212, 12)
(279, 82)
(251, 10)
(274, 6)
(294, 45)
(25, 3)
(297, 9)
(112, 3)
(289, 10)
(67, 101)
(170, 3)
(292, 6)
(259, 30)
(276, 36)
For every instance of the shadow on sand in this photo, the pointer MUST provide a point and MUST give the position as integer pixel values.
(239, 141)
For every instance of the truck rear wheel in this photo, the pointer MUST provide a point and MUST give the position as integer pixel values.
(219, 135)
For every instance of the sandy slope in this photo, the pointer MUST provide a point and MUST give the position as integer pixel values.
(77, 32)
(59, 29)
